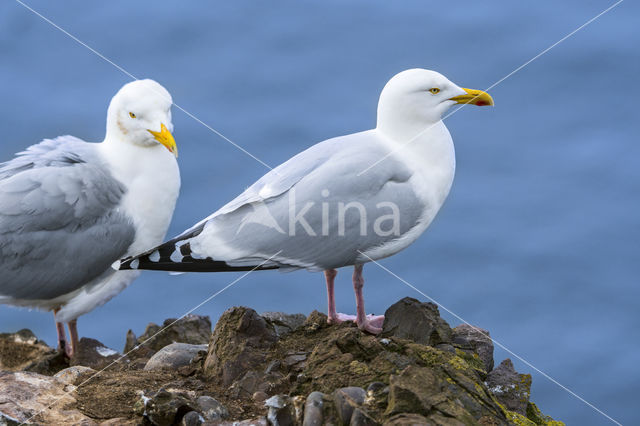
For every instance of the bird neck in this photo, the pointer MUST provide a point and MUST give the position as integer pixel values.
(404, 125)
(407, 132)
(115, 131)
(129, 160)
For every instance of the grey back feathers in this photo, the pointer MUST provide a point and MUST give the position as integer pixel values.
(57, 199)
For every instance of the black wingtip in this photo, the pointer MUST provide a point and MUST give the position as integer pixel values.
(126, 264)
(178, 258)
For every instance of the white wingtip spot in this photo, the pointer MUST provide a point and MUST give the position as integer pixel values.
(155, 256)
(176, 256)
(116, 265)
(134, 264)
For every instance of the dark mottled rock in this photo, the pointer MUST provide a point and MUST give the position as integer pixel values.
(259, 396)
(238, 343)
(48, 363)
(192, 329)
(407, 420)
(261, 421)
(250, 383)
(414, 320)
(509, 387)
(164, 408)
(284, 324)
(131, 341)
(313, 409)
(428, 392)
(534, 414)
(91, 353)
(346, 400)
(281, 411)
(211, 409)
(273, 366)
(315, 321)
(376, 387)
(437, 419)
(24, 336)
(406, 382)
(295, 361)
(446, 347)
(23, 351)
(192, 418)
(475, 340)
(174, 356)
(415, 390)
(361, 418)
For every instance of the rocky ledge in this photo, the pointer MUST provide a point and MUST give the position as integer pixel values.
(274, 368)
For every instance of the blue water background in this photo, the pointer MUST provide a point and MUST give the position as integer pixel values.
(539, 240)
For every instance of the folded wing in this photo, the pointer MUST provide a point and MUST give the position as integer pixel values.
(60, 226)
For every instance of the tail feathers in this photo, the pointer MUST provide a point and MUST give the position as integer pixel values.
(174, 258)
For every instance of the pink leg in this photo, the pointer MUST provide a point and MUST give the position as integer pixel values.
(334, 317)
(372, 324)
(73, 336)
(62, 337)
(330, 277)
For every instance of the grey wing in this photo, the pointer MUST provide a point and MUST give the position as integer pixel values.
(272, 184)
(283, 177)
(305, 224)
(59, 222)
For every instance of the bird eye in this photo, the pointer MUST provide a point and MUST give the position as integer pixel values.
(434, 90)
(132, 115)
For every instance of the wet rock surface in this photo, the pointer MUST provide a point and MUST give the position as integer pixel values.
(276, 369)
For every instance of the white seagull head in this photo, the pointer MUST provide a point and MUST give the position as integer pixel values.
(140, 114)
(417, 98)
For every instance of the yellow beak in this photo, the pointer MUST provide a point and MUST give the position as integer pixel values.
(165, 137)
(474, 97)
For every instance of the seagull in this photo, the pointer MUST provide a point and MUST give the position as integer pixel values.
(69, 209)
(343, 202)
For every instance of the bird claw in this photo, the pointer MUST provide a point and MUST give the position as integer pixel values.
(65, 348)
(339, 318)
(376, 320)
(371, 324)
(368, 326)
